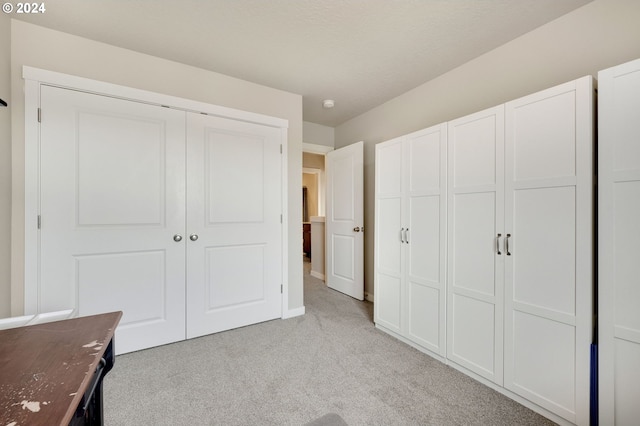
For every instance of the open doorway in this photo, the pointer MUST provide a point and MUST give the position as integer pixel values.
(313, 208)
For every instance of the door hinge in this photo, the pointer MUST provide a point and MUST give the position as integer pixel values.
(281, 289)
(280, 148)
(280, 218)
(39, 222)
(39, 115)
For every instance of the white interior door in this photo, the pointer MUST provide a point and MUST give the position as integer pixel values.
(112, 198)
(234, 229)
(345, 222)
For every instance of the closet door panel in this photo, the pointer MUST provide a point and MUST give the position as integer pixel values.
(112, 198)
(234, 240)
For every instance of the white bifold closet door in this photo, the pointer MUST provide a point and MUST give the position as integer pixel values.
(112, 197)
(173, 218)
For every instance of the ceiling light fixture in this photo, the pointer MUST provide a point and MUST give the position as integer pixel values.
(328, 103)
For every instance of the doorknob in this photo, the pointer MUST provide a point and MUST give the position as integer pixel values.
(356, 229)
(177, 238)
(193, 237)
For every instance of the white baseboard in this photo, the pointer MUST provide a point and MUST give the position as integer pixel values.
(290, 313)
(317, 275)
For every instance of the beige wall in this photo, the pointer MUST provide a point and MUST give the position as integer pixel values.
(52, 50)
(597, 36)
(5, 166)
(310, 181)
(313, 161)
(318, 134)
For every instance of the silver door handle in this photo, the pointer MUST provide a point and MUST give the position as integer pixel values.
(402, 235)
(498, 244)
(506, 245)
(406, 236)
(193, 237)
(356, 229)
(177, 238)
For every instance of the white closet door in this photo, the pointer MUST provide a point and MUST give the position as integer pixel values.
(425, 236)
(619, 250)
(548, 278)
(388, 293)
(234, 230)
(475, 265)
(112, 198)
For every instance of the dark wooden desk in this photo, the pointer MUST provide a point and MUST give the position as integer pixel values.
(51, 374)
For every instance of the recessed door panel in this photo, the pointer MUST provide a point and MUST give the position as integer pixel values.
(234, 177)
(549, 150)
(623, 121)
(232, 284)
(626, 261)
(424, 315)
(389, 235)
(116, 189)
(626, 379)
(112, 198)
(543, 248)
(544, 361)
(424, 161)
(473, 336)
(424, 243)
(388, 297)
(473, 150)
(474, 241)
(389, 166)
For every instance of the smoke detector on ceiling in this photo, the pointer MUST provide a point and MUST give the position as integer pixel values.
(328, 103)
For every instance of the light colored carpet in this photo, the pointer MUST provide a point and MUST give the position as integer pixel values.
(295, 371)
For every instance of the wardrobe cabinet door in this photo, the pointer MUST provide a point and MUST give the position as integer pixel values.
(619, 251)
(425, 223)
(475, 265)
(548, 275)
(389, 236)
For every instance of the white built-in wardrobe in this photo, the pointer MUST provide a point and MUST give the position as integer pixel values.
(484, 246)
(618, 244)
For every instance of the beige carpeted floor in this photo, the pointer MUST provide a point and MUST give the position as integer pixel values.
(291, 372)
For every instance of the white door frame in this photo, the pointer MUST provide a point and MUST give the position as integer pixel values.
(34, 78)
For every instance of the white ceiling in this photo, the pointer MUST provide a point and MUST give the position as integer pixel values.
(360, 53)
